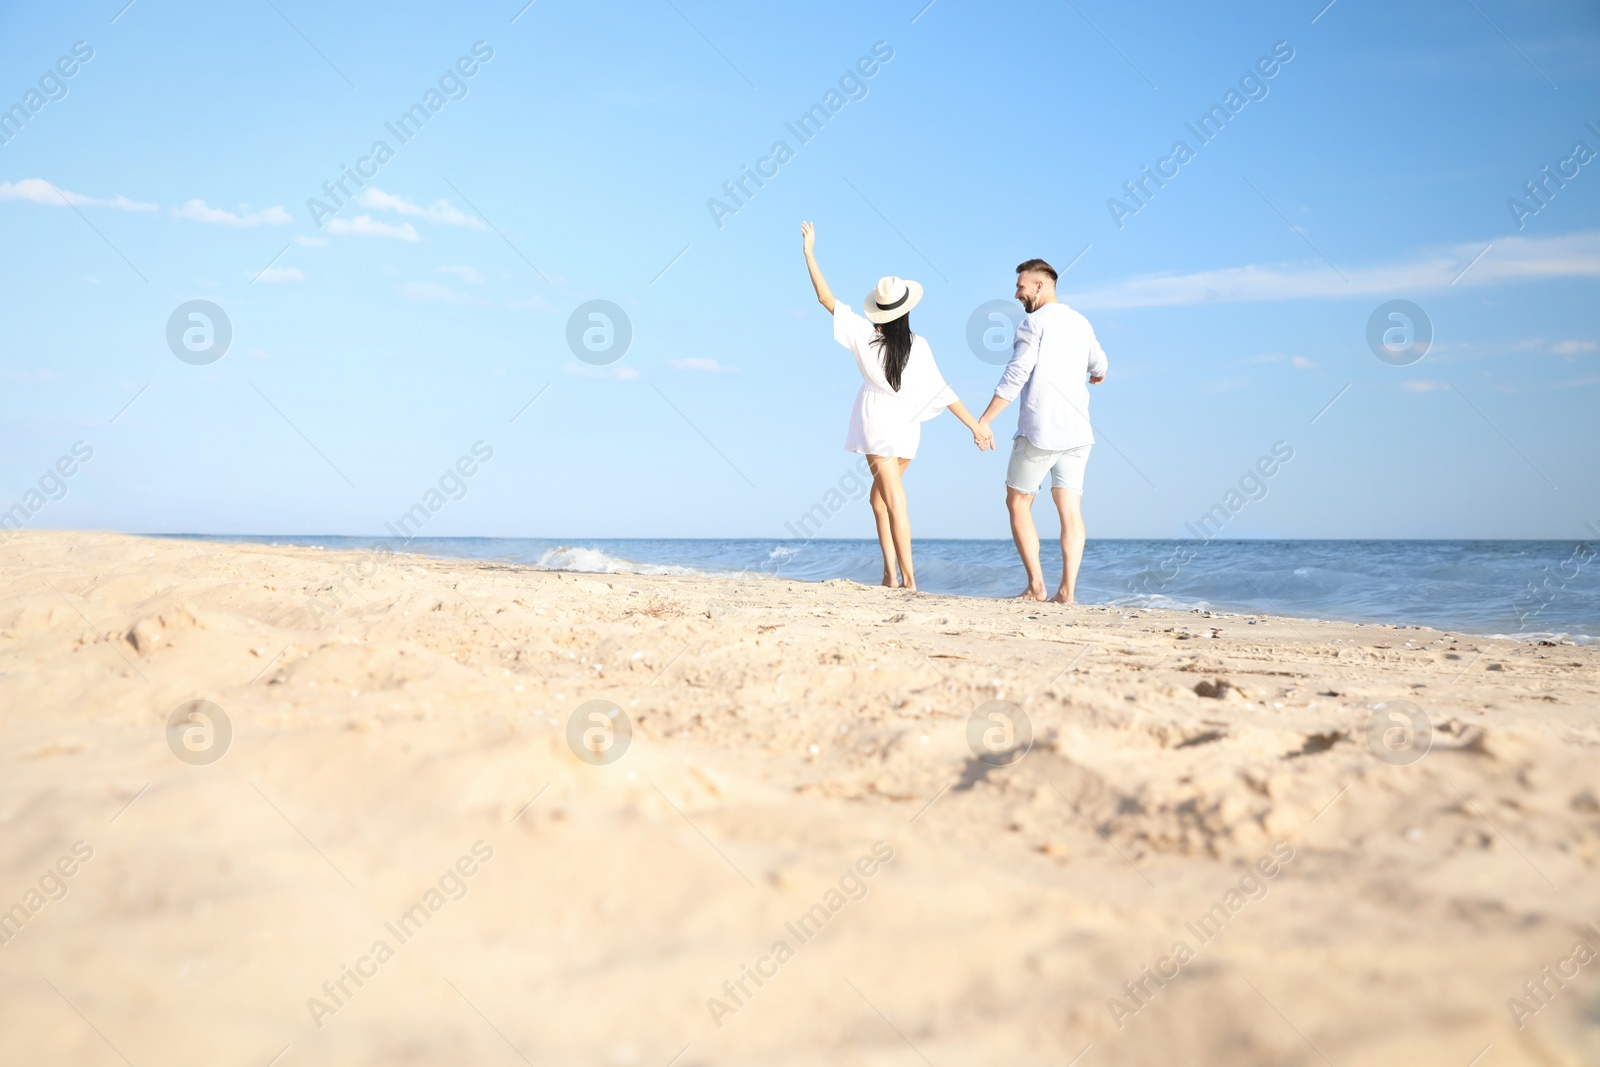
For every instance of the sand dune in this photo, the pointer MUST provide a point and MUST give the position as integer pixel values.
(1204, 856)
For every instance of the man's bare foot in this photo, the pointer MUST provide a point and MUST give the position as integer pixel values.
(1062, 597)
(1033, 592)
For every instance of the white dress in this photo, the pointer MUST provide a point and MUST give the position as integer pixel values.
(885, 422)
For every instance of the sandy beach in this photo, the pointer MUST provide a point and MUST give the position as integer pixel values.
(388, 851)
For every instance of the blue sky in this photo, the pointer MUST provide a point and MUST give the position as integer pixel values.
(576, 163)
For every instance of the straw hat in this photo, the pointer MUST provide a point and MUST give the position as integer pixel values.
(892, 298)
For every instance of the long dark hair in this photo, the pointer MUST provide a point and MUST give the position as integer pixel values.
(894, 337)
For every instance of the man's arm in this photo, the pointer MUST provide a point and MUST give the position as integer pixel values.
(997, 404)
(1024, 356)
(1097, 360)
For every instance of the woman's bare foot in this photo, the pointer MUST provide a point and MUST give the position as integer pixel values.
(1061, 597)
(1033, 592)
(890, 582)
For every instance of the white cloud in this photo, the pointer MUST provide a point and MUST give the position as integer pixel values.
(281, 274)
(1543, 346)
(311, 242)
(441, 211)
(39, 191)
(1302, 362)
(244, 218)
(434, 293)
(709, 366)
(618, 374)
(470, 275)
(1415, 385)
(367, 226)
(1509, 259)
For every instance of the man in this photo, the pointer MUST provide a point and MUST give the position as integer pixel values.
(1055, 350)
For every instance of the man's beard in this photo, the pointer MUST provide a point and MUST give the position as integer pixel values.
(1028, 304)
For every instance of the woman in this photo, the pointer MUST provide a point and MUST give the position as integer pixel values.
(901, 388)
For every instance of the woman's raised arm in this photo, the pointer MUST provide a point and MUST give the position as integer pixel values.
(808, 240)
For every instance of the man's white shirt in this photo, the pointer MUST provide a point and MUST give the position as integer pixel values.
(1054, 355)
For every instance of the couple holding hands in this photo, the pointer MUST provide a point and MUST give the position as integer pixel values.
(1053, 362)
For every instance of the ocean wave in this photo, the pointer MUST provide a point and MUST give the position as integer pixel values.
(1156, 600)
(594, 561)
(1577, 639)
(1467, 587)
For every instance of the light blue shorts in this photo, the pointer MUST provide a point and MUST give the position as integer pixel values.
(1025, 473)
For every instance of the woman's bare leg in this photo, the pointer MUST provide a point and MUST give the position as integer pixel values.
(886, 476)
(880, 514)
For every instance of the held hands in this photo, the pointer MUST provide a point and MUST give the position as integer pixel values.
(982, 436)
(808, 237)
(1093, 380)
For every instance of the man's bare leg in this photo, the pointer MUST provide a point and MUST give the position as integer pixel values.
(1026, 537)
(887, 472)
(880, 514)
(1069, 502)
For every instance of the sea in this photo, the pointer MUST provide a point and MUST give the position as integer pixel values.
(1524, 590)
